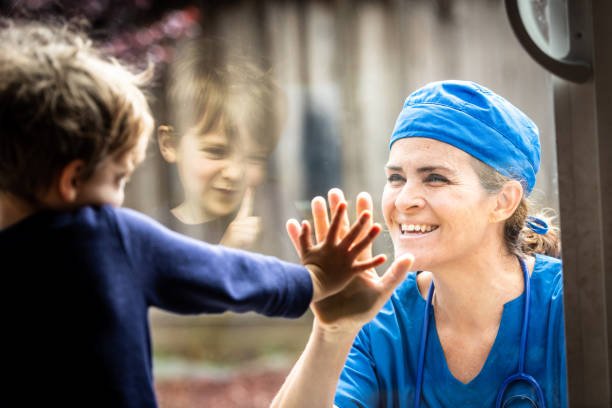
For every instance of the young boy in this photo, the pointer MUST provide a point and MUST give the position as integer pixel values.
(219, 134)
(79, 273)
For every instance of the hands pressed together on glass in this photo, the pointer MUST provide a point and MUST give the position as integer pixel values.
(348, 291)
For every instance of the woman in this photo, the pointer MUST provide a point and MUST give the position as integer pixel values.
(462, 160)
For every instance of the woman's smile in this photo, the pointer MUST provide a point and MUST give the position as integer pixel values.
(430, 185)
(416, 231)
(407, 229)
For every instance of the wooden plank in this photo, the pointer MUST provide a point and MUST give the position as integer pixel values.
(584, 152)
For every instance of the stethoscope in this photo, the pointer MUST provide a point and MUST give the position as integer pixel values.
(520, 374)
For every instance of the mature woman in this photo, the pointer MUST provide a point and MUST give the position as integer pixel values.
(483, 326)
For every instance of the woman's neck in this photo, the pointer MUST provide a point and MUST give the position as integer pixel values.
(470, 294)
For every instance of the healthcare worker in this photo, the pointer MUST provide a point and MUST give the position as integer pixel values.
(482, 324)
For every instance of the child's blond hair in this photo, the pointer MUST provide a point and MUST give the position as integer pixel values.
(60, 100)
(211, 88)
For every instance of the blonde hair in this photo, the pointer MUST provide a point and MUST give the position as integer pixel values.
(211, 87)
(60, 100)
(520, 240)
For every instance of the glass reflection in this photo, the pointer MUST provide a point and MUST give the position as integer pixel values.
(220, 105)
(222, 172)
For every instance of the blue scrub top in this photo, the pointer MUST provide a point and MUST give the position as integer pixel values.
(381, 368)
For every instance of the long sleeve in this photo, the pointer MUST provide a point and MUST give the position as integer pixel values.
(184, 275)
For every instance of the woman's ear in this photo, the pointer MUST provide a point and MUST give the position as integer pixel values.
(508, 199)
(69, 180)
(167, 143)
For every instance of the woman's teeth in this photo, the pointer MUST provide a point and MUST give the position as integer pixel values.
(419, 228)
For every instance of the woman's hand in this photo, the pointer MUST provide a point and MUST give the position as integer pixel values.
(358, 303)
(366, 293)
(312, 381)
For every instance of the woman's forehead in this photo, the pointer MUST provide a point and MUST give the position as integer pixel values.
(420, 151)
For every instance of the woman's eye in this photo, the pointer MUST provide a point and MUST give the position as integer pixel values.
(395, 179)
(435, 178)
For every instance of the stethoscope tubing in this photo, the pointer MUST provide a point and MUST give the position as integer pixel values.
(423, 346)
(520, 375)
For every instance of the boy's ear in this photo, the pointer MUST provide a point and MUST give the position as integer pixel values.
(69, 180)
(508, 199)
(167, 143)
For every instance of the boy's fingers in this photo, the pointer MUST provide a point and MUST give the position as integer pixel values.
(367, 240)
(355, 230)
(246, 207)
(370, 263)
(305, 240)
(396, 273)
(320, 218)
(334, 228)
(293, 230)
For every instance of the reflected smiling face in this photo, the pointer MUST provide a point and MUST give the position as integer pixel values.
(434, 204)
(212, 171)
(257, 163)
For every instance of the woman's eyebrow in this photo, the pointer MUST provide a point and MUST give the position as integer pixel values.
(391, 167)
(429, 169)
(425, 169)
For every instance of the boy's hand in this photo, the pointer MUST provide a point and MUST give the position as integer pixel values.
(356, 304)
(333, 261)
(244, 230)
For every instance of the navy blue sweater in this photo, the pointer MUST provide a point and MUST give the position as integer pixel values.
(76, 292)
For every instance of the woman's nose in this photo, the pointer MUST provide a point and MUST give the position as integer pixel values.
(409, 198)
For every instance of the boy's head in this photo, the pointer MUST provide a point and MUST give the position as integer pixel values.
(221, 109)
(73, 122)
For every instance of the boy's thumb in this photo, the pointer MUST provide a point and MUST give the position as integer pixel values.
(397, 272)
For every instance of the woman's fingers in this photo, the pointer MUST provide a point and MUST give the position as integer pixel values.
(364, 203)
(293, 230)
(320, 218)
(335, 196)
(337, 221)
(396, 273)
(304, 238)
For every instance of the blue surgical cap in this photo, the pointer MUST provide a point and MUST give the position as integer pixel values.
(476, 120)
